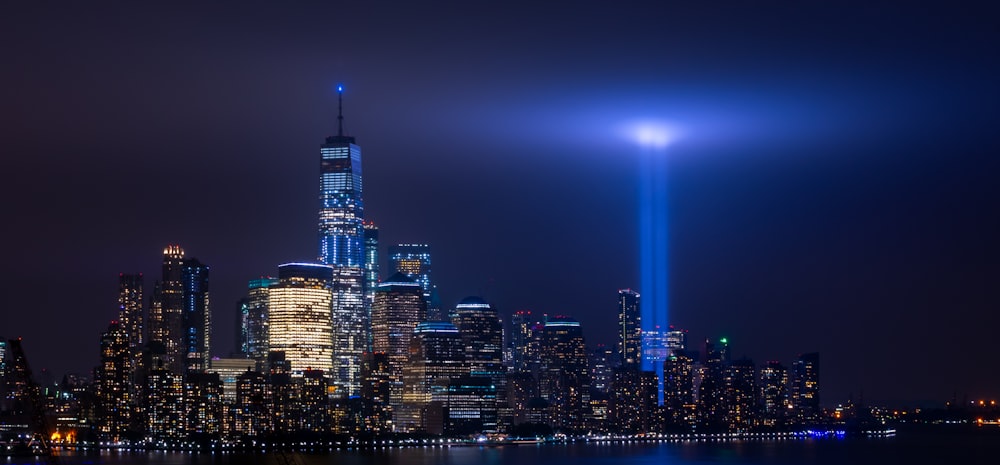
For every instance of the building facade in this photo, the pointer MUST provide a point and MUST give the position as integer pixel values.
(397, 309)
(166, 310)
(300, 324)
(414, 260)
(197, 316)
(629, 327)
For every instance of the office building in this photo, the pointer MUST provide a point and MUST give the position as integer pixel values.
(679, 372)
(629, 327)
(114, 385)
(341, 211)
(521, 335)
(341, 245)
(300, 324)
(414, 260)
(632, 400)
(254, 320)
(166, 310)
(197, 316)
(564, 378)
(229, 371)
(437, 354)
(396, 310)
(371, 261)
(351, 329)
(806, 388)
(774, 399)
(741, 395)
(165, 409)
(130, 314)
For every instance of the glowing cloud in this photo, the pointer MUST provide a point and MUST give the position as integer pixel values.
(651, 133)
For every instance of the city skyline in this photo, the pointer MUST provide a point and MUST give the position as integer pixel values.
(832, 199)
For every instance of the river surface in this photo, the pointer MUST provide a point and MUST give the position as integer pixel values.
(912, 448)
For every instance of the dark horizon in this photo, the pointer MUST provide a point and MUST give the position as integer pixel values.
(832, 189)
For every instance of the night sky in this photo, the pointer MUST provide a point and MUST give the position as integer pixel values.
(833, 187)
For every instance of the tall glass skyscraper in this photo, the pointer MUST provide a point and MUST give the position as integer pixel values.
(341, 245)
(371, 260)
(341, 232)
(629, 328)
(396, 311)
(414, 260)
(197, 317)
(130, 313)
(166, 310)
(254, 319)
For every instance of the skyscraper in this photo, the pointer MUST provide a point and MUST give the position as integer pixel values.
(678, 392)
(774, 401)
(197, 316)
(741, 395)
(299, 317)
(564, 379)
(398, 308)
(437, 354)
(806, 388)
(629, 327)
(414, 260)
(341, 211)
(371, 272)
(114, 379)
(350, 328)
(371, 261)
(130, 313)
(482, 332)
(341, 245)
(166, 310)
(520, 337)
(254, 319)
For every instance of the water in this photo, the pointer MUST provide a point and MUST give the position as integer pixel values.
(914, 448)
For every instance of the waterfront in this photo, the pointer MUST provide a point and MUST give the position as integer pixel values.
(908, 448)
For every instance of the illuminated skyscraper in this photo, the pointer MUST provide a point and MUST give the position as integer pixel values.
(774, 400)
(437, 354)
(371, 272)
(166, 310)
(564, 378)
(522, 330)
(165, 412)
(676, 340)
(341, 245)
(398, 308)
(741, 395)
(678, 392)
(254, 319)
(197, 319)
(712, 407)
(341, 211)
(805, 391)
(603, 362)
(299, 317)
(482, 332)
(130, 313)
(350, 329)
(629, 327)
(632, 400)
(114, 384)
(371, 261)
(414, 260)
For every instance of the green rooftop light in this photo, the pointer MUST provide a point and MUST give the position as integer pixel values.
(724, 341)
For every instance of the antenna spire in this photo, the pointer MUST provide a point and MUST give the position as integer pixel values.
(340, 110)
